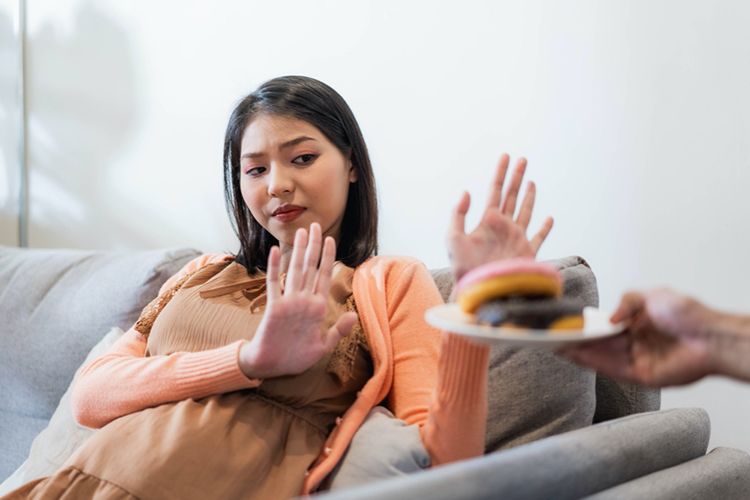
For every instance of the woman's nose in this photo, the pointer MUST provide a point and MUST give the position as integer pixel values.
(279, 181)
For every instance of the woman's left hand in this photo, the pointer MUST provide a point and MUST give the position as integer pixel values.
(497, 236)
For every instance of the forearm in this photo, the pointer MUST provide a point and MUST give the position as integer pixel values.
(729, 345)
(122, 381)
(455, 425)
(439, 378)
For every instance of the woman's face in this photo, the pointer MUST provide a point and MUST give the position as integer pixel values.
(291, 175)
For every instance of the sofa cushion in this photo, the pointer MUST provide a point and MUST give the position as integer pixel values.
(57, 442)
(618, 399)
(384, 447)
(534, 393)
(55, 306)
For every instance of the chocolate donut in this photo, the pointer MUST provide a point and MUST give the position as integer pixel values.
(534, 313)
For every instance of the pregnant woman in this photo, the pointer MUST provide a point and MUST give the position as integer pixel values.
(248, 376)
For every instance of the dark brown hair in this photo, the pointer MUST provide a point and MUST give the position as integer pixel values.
(318, 104)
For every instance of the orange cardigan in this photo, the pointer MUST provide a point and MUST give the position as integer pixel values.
(433, 379)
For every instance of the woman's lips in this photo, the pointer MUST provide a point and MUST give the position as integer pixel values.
(289, 215)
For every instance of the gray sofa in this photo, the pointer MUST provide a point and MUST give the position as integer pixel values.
(57, 305)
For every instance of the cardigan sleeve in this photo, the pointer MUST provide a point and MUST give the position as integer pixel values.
(439, 378)
(123, 381)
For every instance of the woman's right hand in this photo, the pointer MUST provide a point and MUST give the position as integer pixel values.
(290, 338)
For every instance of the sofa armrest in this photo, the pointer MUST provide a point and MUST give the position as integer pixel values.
(724, 473)
(566, 466)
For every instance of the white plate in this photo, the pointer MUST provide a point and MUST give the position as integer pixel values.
(451, 318)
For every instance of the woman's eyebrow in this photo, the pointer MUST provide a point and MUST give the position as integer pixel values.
(287, 144)
(294, 142)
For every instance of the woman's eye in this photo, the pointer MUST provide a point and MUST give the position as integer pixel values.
(255, 171)
(304, 159)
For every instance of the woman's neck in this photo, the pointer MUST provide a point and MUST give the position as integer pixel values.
(286, 250)
(286, 257)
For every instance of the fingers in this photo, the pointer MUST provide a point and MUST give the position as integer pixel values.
(272, 274)
(296, 265)
(312, 256)
(303, 265)
(496, 191)
(527, 206)
(538, 239)
(458, 218)
(509, 205)
(323, 281)
(610, 357)
(341, 329)
(632, 304)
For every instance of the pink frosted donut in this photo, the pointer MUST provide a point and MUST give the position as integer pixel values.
(502, 278)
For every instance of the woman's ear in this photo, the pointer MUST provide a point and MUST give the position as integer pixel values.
(352, 173)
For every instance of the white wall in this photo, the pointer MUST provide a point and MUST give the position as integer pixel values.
(635, 118)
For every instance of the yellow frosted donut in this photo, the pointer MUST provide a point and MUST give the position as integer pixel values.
(567, 323)
(503, 278)
(502, 286)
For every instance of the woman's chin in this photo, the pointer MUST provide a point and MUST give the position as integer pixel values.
(285, 233)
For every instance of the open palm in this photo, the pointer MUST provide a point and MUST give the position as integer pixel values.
(291, 338)
(497, 236)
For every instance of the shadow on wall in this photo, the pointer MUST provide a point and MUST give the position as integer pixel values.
(8, 165)
(83, 113)
(8, 228)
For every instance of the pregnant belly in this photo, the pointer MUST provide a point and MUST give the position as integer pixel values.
(225, 446)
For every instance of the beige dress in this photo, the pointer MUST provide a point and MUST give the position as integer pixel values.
(250, 444)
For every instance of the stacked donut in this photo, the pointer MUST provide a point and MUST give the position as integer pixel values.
(519, 293)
